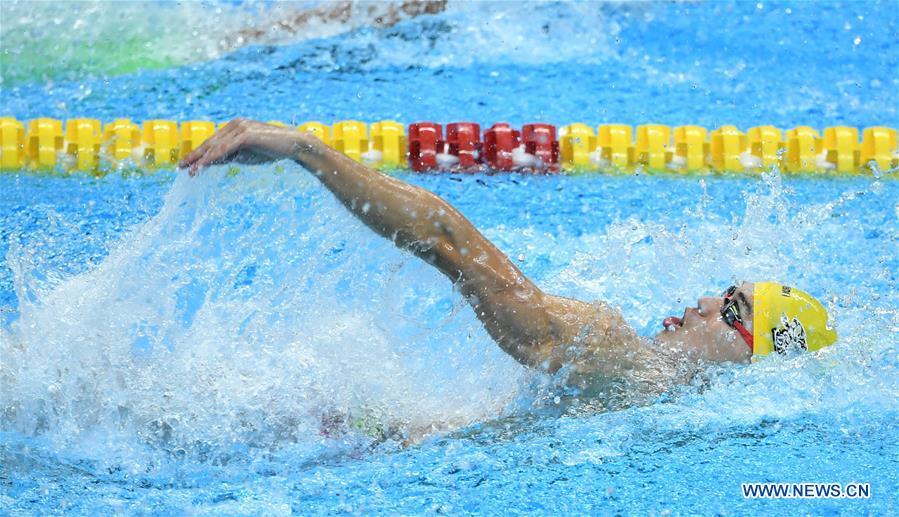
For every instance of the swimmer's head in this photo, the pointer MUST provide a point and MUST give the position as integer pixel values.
(750, 319)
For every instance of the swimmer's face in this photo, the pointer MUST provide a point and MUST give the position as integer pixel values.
(703, 334)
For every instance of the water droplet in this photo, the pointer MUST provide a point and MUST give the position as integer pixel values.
(875, 170)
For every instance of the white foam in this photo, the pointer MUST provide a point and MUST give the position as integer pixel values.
(822, 163)
(521, 158)
(372, 157)
(252, 309)
(749, 160)
(677, 162)
(446, 160)
(598, 161)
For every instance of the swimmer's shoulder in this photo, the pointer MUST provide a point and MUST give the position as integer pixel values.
(589, 335)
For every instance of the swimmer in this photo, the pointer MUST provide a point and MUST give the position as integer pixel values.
(292, 22)
(588, 341)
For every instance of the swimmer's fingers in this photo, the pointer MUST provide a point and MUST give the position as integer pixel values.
(219, 152)
(215, 140)
(194, 155)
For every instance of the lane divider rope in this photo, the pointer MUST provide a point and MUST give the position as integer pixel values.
(85, 144)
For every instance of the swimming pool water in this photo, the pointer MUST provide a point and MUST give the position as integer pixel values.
(174, 346)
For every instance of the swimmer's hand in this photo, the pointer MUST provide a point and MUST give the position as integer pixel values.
(247, 141)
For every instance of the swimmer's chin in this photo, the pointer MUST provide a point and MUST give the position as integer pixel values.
(690, 345)
(671, 341)
(669, 334)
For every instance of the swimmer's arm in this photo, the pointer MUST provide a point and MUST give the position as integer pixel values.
(513, 310)
(511, 307)
(527, 324)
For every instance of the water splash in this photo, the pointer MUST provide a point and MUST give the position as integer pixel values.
(254, 315)
(197, 332)
(51, 41)
(638, 262)
(248, 312)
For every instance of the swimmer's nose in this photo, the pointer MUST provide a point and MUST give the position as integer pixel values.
(709, 306)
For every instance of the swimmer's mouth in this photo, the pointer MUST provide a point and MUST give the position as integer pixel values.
(672, 322)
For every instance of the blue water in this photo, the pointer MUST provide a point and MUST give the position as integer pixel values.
(176, 346)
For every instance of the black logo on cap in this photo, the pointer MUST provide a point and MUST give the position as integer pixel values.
(789, 336)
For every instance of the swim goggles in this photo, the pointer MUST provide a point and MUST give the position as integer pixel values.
(730, 313)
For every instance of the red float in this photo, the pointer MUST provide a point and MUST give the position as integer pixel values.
(464, 139)
(540, 141)
(425, 141)
(499, 141)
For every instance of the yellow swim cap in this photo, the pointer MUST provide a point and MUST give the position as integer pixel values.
(785, 318)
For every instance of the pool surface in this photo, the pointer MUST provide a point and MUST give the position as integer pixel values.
(238, 344)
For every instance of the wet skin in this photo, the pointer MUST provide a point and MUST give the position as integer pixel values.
(703, 333)
(540, 330)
